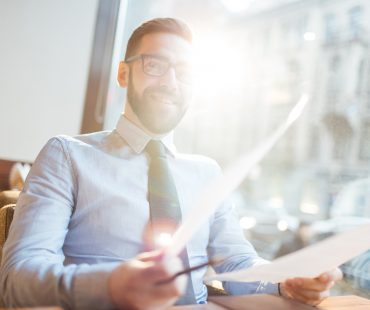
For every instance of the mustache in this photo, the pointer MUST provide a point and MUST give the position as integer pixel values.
(163, 91)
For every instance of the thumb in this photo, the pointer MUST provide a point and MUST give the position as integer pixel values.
(154, 256)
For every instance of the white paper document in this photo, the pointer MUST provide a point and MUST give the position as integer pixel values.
(308, 262)
(223, 186)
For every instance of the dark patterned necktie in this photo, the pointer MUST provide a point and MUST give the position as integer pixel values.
(165, 212)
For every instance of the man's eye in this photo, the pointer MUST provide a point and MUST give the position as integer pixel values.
(155, 66)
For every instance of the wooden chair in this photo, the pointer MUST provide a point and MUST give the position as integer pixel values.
(8, 199)
(6, 217)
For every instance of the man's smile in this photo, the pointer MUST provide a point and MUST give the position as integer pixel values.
(163, 98)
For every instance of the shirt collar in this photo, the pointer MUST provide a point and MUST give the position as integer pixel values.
(137, 138)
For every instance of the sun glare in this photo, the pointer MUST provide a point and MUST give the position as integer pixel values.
(163, 240)
(236, 6)
(219, 66)
(247, 222)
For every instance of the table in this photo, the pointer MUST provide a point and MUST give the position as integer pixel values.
(345, 302)
(270, 302)
(34, 308)
(265, 302)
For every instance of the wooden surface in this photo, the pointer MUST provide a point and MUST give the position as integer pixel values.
(5, 166)
(268, 302)
(344, 303)
(209, 306)
(255, 302)
(258, 302)
(37, 308)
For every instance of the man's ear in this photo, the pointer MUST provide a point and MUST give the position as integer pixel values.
(123, 73)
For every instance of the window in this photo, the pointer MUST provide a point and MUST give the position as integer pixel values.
(360, 78)
(331, 28)
(257, 64)
(355, 16)
(334, 82)
(365, 142)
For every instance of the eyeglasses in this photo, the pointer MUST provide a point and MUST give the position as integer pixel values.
(157, 66)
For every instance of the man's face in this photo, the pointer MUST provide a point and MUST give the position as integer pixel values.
(160, 102)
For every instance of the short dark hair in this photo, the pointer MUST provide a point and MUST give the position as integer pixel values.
(166, 25)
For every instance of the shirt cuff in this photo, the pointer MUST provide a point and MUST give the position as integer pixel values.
(268, 288)
(91, 287)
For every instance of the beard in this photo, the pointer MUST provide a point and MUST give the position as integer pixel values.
(158, 108)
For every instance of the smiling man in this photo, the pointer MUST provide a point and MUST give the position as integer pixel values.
(159, 85)
(92, 204)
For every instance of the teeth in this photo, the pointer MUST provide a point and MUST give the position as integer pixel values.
(161, 98)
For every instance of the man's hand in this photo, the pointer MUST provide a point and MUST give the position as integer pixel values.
(133, 285)
(310, 291)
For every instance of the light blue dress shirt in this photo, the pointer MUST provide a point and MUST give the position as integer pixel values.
(83, 211)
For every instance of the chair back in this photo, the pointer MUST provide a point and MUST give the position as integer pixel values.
(6, 217)
(8, 199)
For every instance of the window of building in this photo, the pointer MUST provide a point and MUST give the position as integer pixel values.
(364, 154)
(331, 28)
(355, 16)
(360, 78)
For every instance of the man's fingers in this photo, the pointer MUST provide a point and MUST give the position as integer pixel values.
(159, 273)
(333, 275)
(311, 291)
(155, 274)
(155, 256)
(168, 290)
(306, 296)
(313, 296)
(311, 284)
(134, 284)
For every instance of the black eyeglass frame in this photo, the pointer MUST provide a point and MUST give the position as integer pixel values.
(170, 65)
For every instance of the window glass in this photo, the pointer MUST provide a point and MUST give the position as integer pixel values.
(355, 15)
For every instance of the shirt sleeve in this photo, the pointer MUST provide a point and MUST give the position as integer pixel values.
(227, 240)
(32, 270)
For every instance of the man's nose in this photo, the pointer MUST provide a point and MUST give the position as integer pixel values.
(169, 79)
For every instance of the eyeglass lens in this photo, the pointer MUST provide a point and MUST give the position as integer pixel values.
(156, 66)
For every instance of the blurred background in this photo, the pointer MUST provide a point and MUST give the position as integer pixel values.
(253, 61)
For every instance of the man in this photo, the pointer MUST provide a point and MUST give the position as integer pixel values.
(82, 219)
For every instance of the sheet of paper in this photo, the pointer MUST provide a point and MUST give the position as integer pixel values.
(223, 186)
(308, 262)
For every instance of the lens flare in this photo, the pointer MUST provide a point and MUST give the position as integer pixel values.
(163, 240)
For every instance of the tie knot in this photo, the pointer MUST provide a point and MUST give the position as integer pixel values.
(155, 148)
